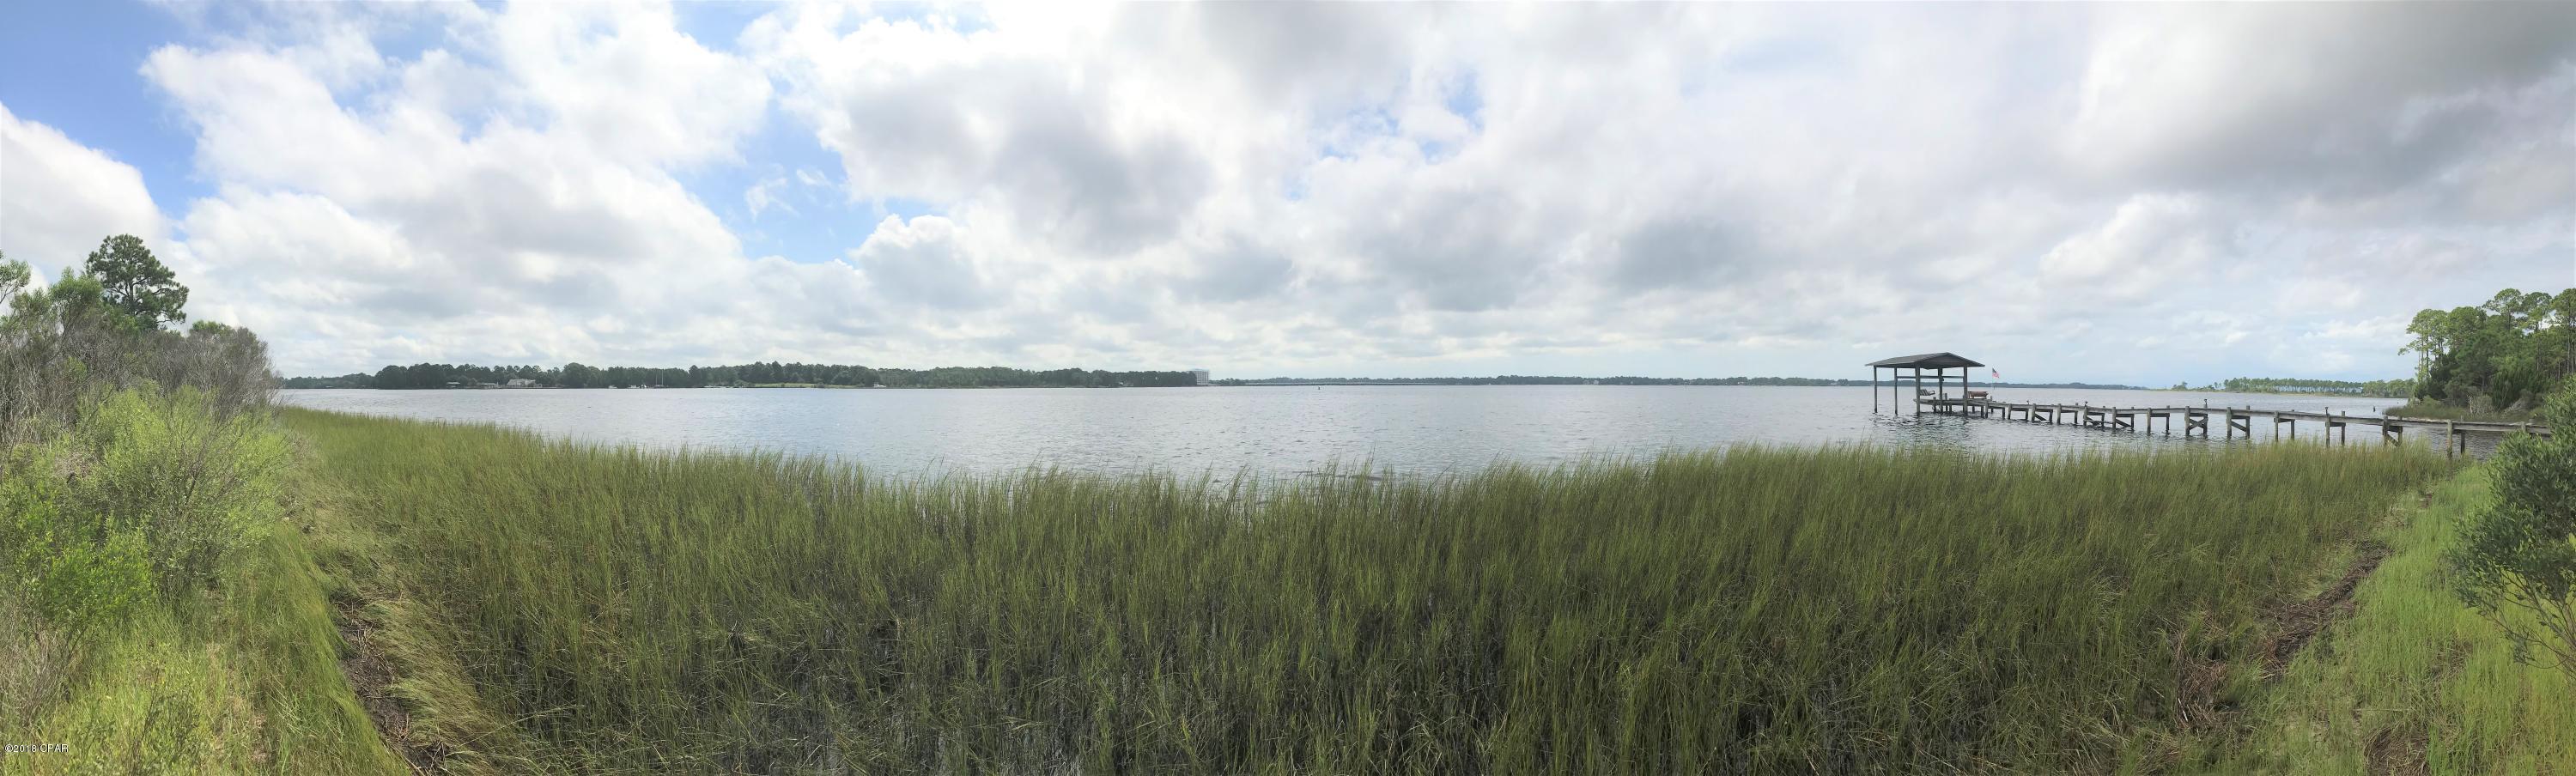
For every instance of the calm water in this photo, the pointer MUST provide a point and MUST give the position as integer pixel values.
(1282, 430)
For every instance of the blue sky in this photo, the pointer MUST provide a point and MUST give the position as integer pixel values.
(2109, 194)
(72, 54)
(72, 66)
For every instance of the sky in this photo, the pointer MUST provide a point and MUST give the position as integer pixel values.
(2139, 194)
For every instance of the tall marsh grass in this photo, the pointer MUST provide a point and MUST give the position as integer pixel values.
(1753, 610)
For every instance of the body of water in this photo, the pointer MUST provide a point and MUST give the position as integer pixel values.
(1277, 430)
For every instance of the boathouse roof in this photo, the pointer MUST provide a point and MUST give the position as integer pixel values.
(1943, 360)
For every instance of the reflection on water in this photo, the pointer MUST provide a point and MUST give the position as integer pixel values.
(1289, 430)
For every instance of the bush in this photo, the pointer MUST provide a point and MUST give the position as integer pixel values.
(64, 347)
(73, 569)
(150, 492)
(134, 460)
(34, 659)
(2517, 562)
(196, 486)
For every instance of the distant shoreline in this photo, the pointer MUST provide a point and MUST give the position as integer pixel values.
(1772, 382)
(2318, 394)
(1291, 383)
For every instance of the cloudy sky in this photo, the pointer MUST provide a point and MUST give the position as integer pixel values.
(2138, 194)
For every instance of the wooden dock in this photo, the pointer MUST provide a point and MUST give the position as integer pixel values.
(2235, 420)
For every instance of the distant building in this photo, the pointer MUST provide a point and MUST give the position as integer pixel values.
(521, 382)
(1198, 377)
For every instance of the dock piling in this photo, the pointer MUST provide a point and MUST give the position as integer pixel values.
(2239, 420)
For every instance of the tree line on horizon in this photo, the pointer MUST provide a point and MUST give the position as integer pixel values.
(2394, 389)
(1808, 382)
(2503, 355)
(579, 375)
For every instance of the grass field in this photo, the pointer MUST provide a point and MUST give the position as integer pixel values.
(557, 607)
(2412, 681)
(244, 677)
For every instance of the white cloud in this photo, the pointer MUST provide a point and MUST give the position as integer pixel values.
(921, 264)
(557, 219)
(629, 84)
(2351, 102)
(58, 198)
(1679, 189)
(764, 195)
(1081, 154)
(2150, 240)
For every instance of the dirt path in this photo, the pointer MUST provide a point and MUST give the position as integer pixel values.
(2392, 751)
(2396, 753)
(372, 676)
(2291, 626)
(2294, 625)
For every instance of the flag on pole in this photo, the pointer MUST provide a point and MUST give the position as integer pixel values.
(1998, 375)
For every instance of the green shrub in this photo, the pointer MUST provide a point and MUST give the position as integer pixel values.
(149, 491)
(87, 585)
(2517, 563)
(33, 664)
(196, 486)
(63, 562)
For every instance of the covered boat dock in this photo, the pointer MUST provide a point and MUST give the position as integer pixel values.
(1912, 368)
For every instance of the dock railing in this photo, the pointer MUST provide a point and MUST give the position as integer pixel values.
(2236, 420)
